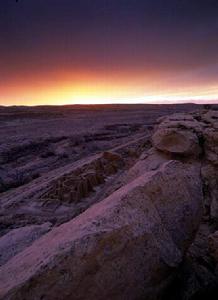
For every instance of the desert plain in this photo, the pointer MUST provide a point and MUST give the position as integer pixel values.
(108, 202)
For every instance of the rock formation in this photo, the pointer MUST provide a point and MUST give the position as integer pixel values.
(193, 137)
(213, 245)
(128, 223)
(125, 247)
(18, 239)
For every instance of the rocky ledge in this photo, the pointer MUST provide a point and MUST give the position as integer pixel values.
(150, 233)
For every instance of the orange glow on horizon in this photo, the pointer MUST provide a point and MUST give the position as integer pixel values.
(87, 88)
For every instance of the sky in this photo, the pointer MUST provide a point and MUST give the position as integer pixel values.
(108, 51)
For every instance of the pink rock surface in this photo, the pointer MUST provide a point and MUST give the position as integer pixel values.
(124, 247)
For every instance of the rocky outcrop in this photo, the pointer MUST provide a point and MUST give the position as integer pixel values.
(76, 185)
(193, 137)
(138, 240)
(211, 145)
(181, 142)
(18, 239)
(178, 134)
(125, 247)
(213, 246)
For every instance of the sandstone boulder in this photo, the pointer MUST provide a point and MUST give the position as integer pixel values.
(125, 247)
(176, 141)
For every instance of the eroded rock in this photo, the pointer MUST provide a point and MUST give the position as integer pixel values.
(173, 138)
(193, 137)
(125, 247)
(211, 145)
(213, 245)
(18, 239)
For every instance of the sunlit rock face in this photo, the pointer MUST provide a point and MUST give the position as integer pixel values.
(125, 247)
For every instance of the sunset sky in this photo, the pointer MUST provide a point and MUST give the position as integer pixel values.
(106, 51)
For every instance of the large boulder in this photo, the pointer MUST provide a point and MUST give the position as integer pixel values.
(180, 134)
(125, 247)
(176, 141)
